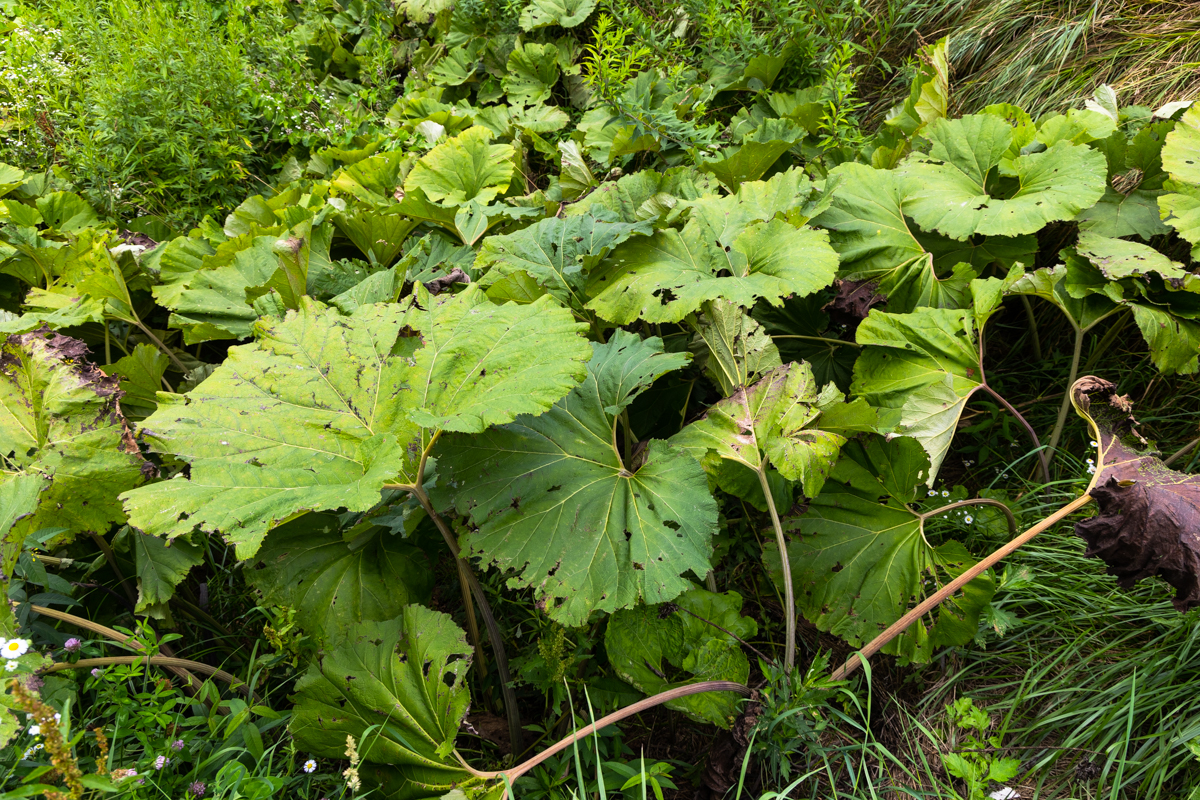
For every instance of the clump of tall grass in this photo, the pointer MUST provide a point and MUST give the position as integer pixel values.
(1043, 55)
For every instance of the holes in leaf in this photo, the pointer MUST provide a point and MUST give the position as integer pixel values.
(672, 524)
(664, 295)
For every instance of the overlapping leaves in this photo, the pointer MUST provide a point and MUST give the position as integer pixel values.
(860, 558)
(374, 389)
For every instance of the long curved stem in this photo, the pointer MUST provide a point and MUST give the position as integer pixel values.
(789, 599)
(638, 707)
(1061, 421)
(124, 639)
(485, 610)
(901, 625)
(1035, 340)
(155, 661)
(168, 352)
(817, 339)
(1045, 464)
(977, 501)
(1187, 448)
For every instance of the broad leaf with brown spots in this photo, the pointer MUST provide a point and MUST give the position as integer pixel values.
(60, 418)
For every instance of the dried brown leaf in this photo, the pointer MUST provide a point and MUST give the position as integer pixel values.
(1149, 520)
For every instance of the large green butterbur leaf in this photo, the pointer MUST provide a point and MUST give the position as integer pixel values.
(465, 168)
(732, 346)
(564, 13)
(408, 677)
(161, 566)
(61, 423)
(558, 253)
(777, 421)
(926, 365)
(532, 73)
(860, 559)
(1164, 297)
(757, 153)
(552, 500)
(729, 249)
(335, 584)
(960, 189)
(870, 233)
(644, 643)
(323, 410)
(1181, 159)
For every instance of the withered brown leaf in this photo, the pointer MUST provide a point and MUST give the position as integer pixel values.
(1149, 520)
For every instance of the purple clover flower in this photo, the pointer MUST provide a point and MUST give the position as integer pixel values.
(73, 644)
(197, 789)
(177, 745)
(161, 762)
(97, 672)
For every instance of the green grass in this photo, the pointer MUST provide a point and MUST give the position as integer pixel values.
(1044, 55)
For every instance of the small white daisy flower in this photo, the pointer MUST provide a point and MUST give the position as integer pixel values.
(310, 766)
(14, 648)
(10, 666)
(945, 492)
(968, 519)
(933, 492)
(35, 730)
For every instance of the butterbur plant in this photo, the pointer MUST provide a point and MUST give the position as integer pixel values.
(611, 369)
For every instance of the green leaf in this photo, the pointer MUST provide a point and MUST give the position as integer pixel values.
(926, 365)
(576, 178)
(929, 92)
(1174, 342)
(161, 566)
(378, 235)
(337, 585)
(874, 242)
(648, 194)
(732, 346)
(141, 374)
(55, 311)
(1050, 285)
(721, 252)
(1118, 259)
(564, 13)
(1118, 215)
(961, 189)
(1181, 150)
(757, 153)
(323, 410)
(532, 74)
(66, 212)
(551, 499)
(19, 498)
(407, 676)
(1181, 210)
(642, 642)
(62, 422)
(213, 304)
(776, 421)
(859, 563)
(11, 177)
(558, 252)
(464, 168)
